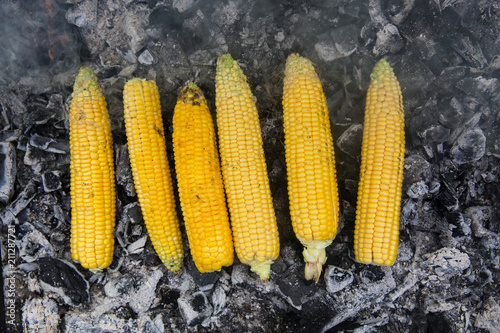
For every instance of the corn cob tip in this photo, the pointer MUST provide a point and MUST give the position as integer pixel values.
(226, 61)
(191, 94)
(315, 256)
(262, 268)
(381, 69)
(84, 78)
(173, 266)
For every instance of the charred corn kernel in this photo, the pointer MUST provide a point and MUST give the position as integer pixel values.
(199, 179)
(244, 170)
(310, 161)
(92, 175)
(376, 233)
(148, 158)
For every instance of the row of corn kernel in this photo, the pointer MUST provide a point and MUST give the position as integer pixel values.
(310, 161)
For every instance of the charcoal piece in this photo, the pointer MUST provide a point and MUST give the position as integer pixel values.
(489, 316)
(480, 86)
(9, 135)
(426, 46)
(450, 76)
(409, 212)
(183, 5)
(121, 286)
(469, 147)
(195, 308)
(338, 43)
(434, 186)
(451, 114)
(146, 58)
(448, 197)
(137, 246)
(40, 315)
(34, 244)
(84, 14)
(51, 181)
(22, 142)
(416, 168)
(294, 286)
(201, 58)
(37, 157)
(399, 10)
(8, 168)
(49, 145)
(350, 141)
(435, 134)
(413, 75)
(372, 274)
(38, 116)
(129, 224)
(204, 281)
(481, 217)
(123, 172)
(63, 279)
(20, 203)
(469, 49)
(337, 279)
(461, 225)
(388, 40)
(418, 190)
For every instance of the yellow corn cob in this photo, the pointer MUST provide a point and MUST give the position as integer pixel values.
(148, 158)
(93, 196)
(376, 233)
(310, 160)
(244, 170)
(199, 179)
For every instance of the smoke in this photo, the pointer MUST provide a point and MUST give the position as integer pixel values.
(38, 46)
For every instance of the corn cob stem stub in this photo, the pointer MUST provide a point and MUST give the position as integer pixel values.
(310, 160)
(92, 175)
(244, 169)
(151, 171)
(376, 232)
(201, 189)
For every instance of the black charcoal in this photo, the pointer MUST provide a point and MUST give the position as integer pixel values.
(294, 287)
(63, 279)
(338, 43)
(50, 145)
(20, 203)
(388, 40)
(469, 147)
(418, 190)
(123, 172)
(36, 157)
(51, 181)
(350, 141)
(195, 308)
(8, 174)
